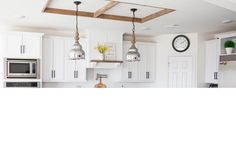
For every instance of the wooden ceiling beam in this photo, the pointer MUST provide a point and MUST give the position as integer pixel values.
(107, 7)
(46, 5)
(157, 14)
(91, 15)
(68, 12)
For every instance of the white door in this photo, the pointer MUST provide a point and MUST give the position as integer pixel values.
(180, 72)
(212, 61)
(14, 45)
(31, 46)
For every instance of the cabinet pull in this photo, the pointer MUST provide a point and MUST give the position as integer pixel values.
(52, 74)
(215, 75)
(23, 49)
(129, 75)
(76, 74)
(147, 75)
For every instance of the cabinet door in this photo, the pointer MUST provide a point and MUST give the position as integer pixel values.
(48, 60)
(31, 46)
(150, 73)
(75, 71)
(58, 59)
(130, 69)
(142, 65)
(14, 45)
(212, 61)
(146, 67)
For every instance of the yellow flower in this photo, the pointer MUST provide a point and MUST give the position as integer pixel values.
(102, 48)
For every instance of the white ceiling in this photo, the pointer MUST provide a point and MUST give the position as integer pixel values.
(190, 15)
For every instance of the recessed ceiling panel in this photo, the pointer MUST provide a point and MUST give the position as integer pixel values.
(123, 9)
(87, 5)
(106, 9)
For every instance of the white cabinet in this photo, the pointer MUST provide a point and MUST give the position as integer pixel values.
(129, 69)
(75, 71)
(23, 45)
(143, 71)
(56, 64)
(212, 61)
(53, 59)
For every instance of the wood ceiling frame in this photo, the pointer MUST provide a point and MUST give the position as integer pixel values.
(101, 13)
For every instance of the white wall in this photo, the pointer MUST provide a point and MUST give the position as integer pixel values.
(165, 50)
(2, 49)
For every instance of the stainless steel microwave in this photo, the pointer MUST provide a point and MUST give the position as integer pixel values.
(21, 68)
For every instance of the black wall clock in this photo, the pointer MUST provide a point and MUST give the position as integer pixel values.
(181, 43)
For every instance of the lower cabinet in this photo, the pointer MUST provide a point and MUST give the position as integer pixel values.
(75, 71)
(56, 64)
(143, 71)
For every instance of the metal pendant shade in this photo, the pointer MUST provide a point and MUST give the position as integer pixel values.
(133, 55)
(77, 52)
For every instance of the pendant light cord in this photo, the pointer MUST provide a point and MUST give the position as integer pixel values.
(77, 28)
(77, 21)
(133, 21)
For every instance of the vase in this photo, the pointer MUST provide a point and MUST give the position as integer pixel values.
(229, 50)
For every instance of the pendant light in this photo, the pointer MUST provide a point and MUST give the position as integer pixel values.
(133, 54)
(77, 51)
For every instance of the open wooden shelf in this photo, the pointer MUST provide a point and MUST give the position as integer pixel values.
(106, 61)
(227, 57)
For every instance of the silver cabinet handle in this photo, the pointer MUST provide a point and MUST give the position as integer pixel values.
(52, 74)
(76, 74)
(129, 75)
(215, 75)
(23, 47)
(147, 75)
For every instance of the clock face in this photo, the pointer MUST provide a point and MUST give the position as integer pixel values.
(181, 43)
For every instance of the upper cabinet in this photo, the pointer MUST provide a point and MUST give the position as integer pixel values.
(212, 61)
(56, 64)
(143, 71)
(53, 59)
(23, 45)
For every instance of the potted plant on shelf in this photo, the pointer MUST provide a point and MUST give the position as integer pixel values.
(102, 49)
(229, 46)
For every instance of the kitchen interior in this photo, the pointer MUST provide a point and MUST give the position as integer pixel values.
(118, 44)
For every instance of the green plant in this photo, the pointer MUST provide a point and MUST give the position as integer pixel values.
(229, 44)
